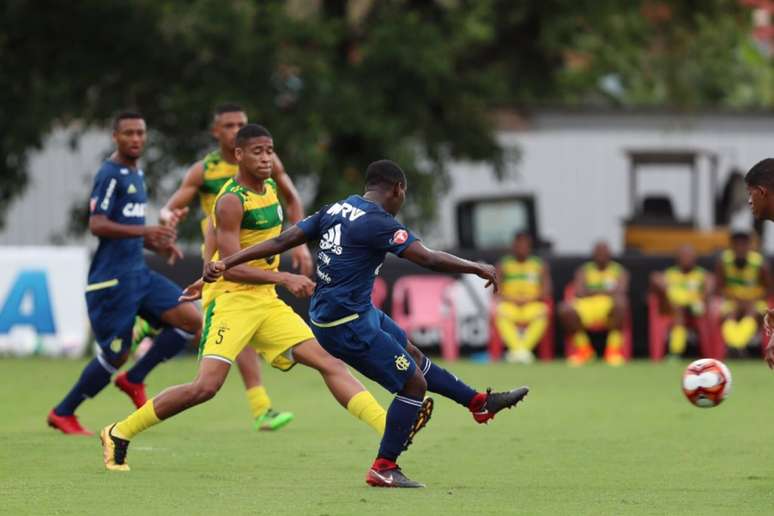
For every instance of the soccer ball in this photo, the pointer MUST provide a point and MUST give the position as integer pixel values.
(706, 382)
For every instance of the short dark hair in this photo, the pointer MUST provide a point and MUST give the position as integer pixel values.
(740, 236)
(384, 173)
(762, 174)
(522, 234)
(126, 115)
(227, 108)
(249, 132)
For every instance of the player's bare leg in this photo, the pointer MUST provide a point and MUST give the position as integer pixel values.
(182, 324)
(264, 416)
(115, 437)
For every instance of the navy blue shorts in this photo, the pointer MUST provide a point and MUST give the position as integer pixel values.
(113, 305)
(374, 345)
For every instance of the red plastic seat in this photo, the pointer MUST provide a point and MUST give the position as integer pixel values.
(379, 292)
(423, 302)
(626, 329)
(659, 324)
(545, 348)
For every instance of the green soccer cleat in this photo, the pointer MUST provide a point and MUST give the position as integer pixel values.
(273, 420)
(140, 330)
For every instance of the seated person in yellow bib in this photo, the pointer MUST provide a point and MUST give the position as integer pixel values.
(522, 314)
(601, 287)
(744, 282)
(683, 292)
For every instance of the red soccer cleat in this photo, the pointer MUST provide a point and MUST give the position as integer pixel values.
(485, 405)
(66, 424)
(136, 391)
(385, 473)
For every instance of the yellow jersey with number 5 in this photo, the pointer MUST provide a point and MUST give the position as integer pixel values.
(261, 220)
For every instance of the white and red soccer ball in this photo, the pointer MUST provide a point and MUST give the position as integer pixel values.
(706, 382)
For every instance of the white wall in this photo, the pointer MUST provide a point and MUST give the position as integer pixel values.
(576, 166)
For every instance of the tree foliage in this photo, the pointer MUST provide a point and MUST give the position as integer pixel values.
(343, 83)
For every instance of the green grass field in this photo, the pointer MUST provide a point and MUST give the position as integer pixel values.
(586, 441)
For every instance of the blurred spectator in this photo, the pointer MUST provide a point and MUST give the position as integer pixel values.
(599, 302)
(683, 291)
(744, 282)
(522, 313)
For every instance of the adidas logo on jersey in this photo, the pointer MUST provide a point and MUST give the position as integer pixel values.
(134, 209)
(331, 240)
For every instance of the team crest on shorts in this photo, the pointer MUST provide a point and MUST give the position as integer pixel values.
(401, 362)
(115, 346)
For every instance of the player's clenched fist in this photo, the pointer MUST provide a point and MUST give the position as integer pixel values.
(160, 237)
(213, 271)
(299, 286)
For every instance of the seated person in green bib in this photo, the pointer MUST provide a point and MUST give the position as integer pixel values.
(683, 290)
(744, 283)
(600, 302)
(522, 313)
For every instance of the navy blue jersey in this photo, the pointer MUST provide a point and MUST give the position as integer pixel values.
(119, 194)
(355, 235)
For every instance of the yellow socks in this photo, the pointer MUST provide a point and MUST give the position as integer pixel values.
(614, 339)
(365, 407)
(140, 420)
(259, 400)
(581, 339)
(678, 339)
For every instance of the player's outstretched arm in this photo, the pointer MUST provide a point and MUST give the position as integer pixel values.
(228, 215)
(177, 206)
(289, 238)
(157, 236)
(445, 262)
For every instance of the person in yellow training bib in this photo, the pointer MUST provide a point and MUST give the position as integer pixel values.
(683, 290)
(601, 287)
(242, 308)
(522, 314)
(743, 282)
(205, 179)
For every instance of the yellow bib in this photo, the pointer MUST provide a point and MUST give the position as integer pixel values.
(743, 283)
(522, 279)
(601, 279)
(261, 220)
(217, 172)
(685, 287)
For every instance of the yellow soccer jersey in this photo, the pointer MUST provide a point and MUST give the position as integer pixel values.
(743, 282)
(522, 279)
(596, 279)
(685, 288)
(261, 220)
(217, 172)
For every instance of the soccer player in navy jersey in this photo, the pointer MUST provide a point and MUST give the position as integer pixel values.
(355, 234)
(760, 197)
(121, 285)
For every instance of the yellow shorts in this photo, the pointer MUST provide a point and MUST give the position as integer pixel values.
(593, 310)
(729, 306)
(234, 320)
(521, 314)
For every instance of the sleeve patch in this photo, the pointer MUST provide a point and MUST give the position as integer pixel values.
(399, 237)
